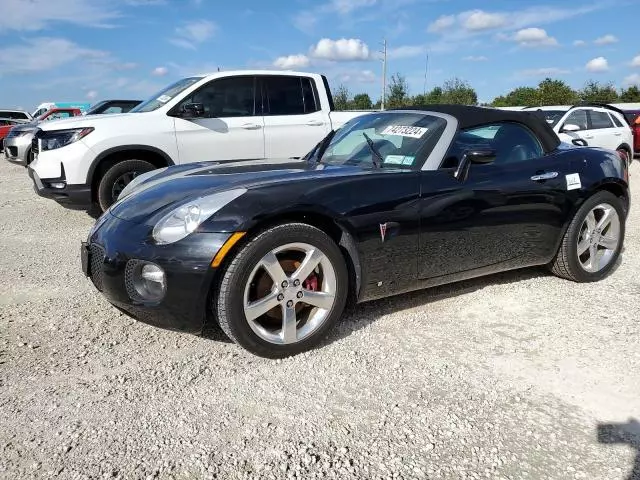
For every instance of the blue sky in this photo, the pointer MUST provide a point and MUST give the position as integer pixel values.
(88, 50)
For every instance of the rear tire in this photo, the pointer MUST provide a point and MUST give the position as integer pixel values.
(573, 265)
(257, 277)
(117, 177)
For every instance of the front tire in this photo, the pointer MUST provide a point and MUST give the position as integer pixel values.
(283, 291)
(117, 177)
(592, 243)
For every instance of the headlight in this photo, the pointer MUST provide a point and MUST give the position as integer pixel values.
(18, 133)
(53, 139)
(184, 219)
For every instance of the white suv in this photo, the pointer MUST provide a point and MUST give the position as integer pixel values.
(595, 125)
(233, 115)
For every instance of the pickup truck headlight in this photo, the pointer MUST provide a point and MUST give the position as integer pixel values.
(60, 138)
(184, 219)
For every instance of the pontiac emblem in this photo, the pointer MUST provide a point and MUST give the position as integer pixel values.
(383, 230)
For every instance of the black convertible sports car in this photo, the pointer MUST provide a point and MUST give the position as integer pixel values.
(394, 201)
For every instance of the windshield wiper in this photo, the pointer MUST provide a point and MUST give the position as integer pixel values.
(374, 150)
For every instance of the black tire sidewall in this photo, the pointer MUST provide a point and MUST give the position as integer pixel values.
(105, 186)
(574, 230)
(231, 293)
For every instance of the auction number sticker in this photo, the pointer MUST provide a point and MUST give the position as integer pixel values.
(405, 131)
(164, 98)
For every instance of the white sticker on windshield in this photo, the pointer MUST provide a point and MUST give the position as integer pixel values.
(573, 181)
(405, 131)
(394, 159)
(164, 98)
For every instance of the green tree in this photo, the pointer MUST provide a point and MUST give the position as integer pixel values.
(519, 97)
(630, 95)
(593, 91)
(456, 91)
(397, 92)
(361, 101)
(341, 98)
(555, 92)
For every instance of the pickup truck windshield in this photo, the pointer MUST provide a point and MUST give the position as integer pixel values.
(386, 139)
(163, 96)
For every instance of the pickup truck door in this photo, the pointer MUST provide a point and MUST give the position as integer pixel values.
(232, 126)
(293, 117)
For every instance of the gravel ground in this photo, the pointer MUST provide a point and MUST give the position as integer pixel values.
(511, 377)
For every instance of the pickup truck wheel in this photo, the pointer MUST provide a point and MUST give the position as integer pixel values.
(117, 177)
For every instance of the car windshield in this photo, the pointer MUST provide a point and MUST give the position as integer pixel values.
(385, 139)
(163, 96)
(98, 106)
(552, 116)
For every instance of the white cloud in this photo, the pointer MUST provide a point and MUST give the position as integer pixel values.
(159, 71)
(191, 34)
(479, 58)
(35, 15)
(291, 61)
(633, 79)
(44, 53)
(542, 72)
(599, 64)
(579, 43)
(347, 6)
(606, 40)
(406, 51)
(478, 20)
(340, 50)
(92, 94)
(361, 76)
(534, 37)
(636, 61)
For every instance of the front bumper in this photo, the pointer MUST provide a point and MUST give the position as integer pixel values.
(69, 196)
(117, 244)
(16, 149)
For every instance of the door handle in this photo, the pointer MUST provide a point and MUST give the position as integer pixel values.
(618, 134)
(250, 126)
(315, 123)
(544, 176)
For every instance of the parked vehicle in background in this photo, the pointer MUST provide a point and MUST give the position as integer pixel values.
(6, 124)
(112, 106)
(599, 125)
(17, 144)
(233, 115)
(43, 107)
(15, 114)
(633, 117)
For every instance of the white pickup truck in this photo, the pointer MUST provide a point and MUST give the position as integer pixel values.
(233, 115)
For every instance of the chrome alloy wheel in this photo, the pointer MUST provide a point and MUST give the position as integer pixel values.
(290, 293)
(599, 238)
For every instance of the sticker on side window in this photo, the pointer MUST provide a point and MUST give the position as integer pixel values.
(164, 98)
(405, 131)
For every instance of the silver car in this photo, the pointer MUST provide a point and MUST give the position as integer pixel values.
(17, 144)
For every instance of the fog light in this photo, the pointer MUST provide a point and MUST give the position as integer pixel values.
(57, 185)
(145, 281)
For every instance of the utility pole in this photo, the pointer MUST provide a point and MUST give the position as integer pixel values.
(384, 73)
(426, 68)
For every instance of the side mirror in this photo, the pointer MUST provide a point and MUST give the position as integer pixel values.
(569, 127)
(192, 110)
(481, 156)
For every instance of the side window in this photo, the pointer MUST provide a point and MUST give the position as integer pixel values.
(511, 141)
(226, 97)
(113, 109)
(578, 118)
(289, 95)
(600, 120)
(616, 122)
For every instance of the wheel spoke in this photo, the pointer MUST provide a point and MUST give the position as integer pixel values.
(318, 299)
(289, 324)
(605, 220)
(591, 222)
(583, 246)
(607, 242)
(274, 269)
(593, 258)
(258, 308)
(310, 262)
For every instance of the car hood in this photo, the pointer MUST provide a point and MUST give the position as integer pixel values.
(25, 127)
(82, 121)
(176, 185)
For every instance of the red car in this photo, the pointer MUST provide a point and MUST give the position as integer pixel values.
(633, 116)
(58, 113)
(7, 124)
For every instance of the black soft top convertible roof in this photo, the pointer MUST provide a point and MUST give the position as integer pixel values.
(469, 117)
